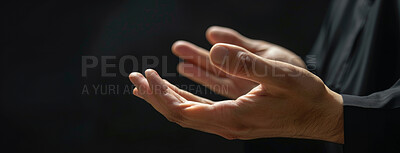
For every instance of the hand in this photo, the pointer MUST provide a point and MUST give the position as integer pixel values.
(197, 65)
(288, 102)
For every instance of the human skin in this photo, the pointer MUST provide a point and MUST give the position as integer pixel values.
(272, 93)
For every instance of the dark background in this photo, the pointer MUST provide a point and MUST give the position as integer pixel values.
(42, 105)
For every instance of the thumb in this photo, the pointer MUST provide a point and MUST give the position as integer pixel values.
(242, 63)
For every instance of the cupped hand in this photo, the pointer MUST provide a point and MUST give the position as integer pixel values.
(197, 65)
(288, 101)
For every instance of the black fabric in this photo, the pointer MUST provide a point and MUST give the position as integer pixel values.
(357, 54)
(357, 51)
(372, 122)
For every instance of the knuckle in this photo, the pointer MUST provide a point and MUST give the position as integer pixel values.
(243, 63)
(184, 125)
(229, 136)
(239, 128)
(176, 117)
(261, 45)
(171, 119)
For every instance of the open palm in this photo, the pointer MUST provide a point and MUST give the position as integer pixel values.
(285, 101)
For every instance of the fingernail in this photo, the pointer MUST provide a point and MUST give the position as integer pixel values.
(133, 74)
(133, 77)
(219, 54)
(149, 72)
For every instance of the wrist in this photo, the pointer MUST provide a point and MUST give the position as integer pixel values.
(332, 122)
(324, 121)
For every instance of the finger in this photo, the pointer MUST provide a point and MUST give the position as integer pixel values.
(143, 91)
(217, 34)
(135, 92)
(161, 91)
(240, 62)
(142, 88)
(187, 95)
(217, 118)
(177, 108)
(210, 118)
(194, 54)
(205, 78)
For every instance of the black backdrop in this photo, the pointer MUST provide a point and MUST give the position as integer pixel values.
(43, 108)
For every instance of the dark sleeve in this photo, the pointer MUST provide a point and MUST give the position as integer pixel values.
(372, 123)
